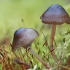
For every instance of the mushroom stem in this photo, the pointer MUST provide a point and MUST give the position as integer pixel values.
(39, 58)
(51, 43)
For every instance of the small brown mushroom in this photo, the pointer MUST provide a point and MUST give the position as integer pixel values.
(24, 37)
(55, 15)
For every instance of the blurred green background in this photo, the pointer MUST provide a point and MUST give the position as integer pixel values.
(15, 14)
(23, 13)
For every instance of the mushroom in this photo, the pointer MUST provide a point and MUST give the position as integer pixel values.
(55, 15)
(23, 37)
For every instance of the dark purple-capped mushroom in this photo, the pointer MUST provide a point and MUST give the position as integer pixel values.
(55, 15)
(23, 37)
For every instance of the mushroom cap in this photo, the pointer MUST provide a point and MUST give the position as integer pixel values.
(23, 37)
(55, 14)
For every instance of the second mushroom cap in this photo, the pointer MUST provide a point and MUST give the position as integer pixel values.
(55, 14)
(23, 37)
